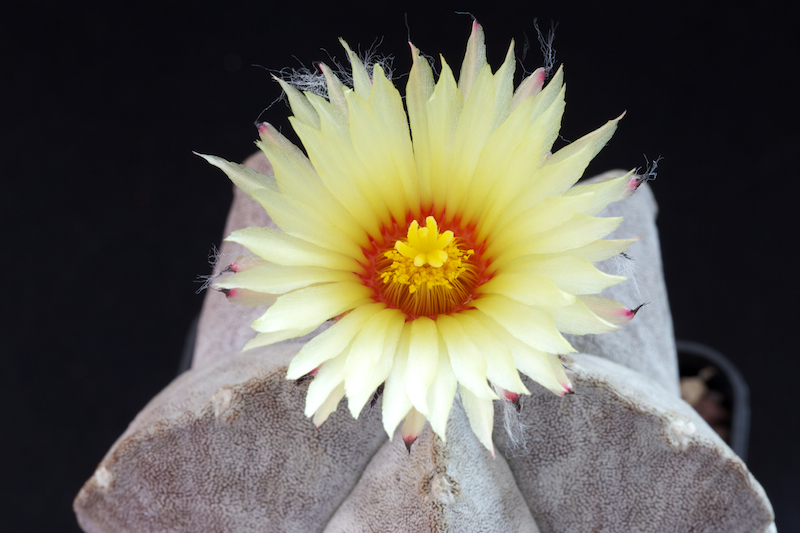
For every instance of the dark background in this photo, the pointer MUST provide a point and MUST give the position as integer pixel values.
(108, 216)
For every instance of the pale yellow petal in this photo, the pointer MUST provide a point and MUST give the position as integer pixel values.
(330, 405)
(545, 215)
(266, 339)
(328, 151)
(548, 123)
(606, 192)
(542, 367)
(608, 309)
(278, 247)
(361, 81)
(565, 167)
(297, 219)
(371, 356)
(572, 274)
(248, 298)
(500, 367)
(599, 250)
(312, 306)
(578, 319)
(443, 110)
(547, 97)
(528, 289)
(335, 90)
(468, 364)
(279, 279)
(474, 60)
(332, 152)
(528, 88)
(332, 341)
(441, 392)
(297, 178)
(412, 426)
(329, 377)
(247, 179)
(374, 151)
(516, 177)
(532, 326)
(396, 403)
(387, 103)
(423, 358)
(418, 90)
(492, 169)
(301, 108)
(579, 231)
(480, 413)
(473, 128)
(504, 88)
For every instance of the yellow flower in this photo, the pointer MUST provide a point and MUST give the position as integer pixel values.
(451, 254)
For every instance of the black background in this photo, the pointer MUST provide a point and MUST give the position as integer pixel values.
(107, 216)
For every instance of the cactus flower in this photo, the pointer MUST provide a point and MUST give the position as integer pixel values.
(447, 243)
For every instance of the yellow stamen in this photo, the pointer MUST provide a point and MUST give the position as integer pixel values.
(427, 257)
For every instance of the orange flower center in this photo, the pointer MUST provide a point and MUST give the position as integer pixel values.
(427, 273)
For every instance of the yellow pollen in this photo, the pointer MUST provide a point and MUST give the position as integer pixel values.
(427, 257)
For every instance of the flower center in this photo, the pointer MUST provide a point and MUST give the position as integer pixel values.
(428, 274)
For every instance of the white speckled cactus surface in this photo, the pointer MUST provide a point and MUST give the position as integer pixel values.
(412, 276)
(226, 447)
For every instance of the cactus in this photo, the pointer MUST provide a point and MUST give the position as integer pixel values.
(226, 446)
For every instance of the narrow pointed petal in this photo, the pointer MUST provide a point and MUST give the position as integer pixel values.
(301, 108)
(496, 160)
(412, 427)
(500, 367)
(606, 192)
(528, 289)
(280, 279)
(572, 274)
(248, 298)
(296, 177)
(480, 414)
(473, 128)
(423, 359)
(530, 87)
(542, 367)
(361, 80)
(327, 379)
(371, 356)
(579, 231)
(418, 91)
(566, 166)
(332, 341)
(599, 250)
(474, 60)
(312, 306)
(278, 247)
(504, 88)
(328, 151)
(396, 403)
(247, 179)
(330, 405)
(532, 326)
(544, 216)
(468, 364)
(578, 319)
(443, 109)
(387, 104)
(441, 392)
(335, 90)
(265, 339)
(608, 309)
